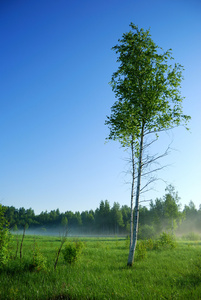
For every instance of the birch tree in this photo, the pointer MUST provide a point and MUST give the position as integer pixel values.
(147, 88)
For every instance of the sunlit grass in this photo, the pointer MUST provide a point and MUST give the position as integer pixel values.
(101, 272)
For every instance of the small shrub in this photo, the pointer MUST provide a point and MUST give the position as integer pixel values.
(167, 240)
(72, 251)
(127, 242)
(4, 239)
(79, 245)
(149, 244)
(156, 245)
(38, 261)
(141, 250)
(4, 247)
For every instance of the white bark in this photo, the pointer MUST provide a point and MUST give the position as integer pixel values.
(136, 220)
(132, 192)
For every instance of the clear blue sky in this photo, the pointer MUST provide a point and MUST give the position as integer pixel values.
(56, 62)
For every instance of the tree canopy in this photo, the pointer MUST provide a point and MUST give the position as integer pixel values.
(147, 87)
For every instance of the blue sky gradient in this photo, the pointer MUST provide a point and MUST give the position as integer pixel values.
(56, 62)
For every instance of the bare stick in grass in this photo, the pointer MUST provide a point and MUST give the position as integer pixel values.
(25, 227)
(63, 239)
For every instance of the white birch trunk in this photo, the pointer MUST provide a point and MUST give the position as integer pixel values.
(132, 192)
(136, 220)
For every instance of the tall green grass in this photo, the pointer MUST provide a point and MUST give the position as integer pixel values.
(101, 272)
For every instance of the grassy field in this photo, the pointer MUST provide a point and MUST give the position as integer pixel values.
(101, 272)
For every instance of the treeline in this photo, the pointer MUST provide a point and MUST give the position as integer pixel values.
(104, 220)
(162, 214)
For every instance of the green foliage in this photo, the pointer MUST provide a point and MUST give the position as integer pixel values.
(156, 245)
(149, 244)
(63, 240)
(15, 229)
(166, 214)
(191, 236)
(64, 221)
(197, 267)
(127, 241)
(147, 87)
(141, 250)
(72, 251)
(104, 221)
(38, 262)
(5, 237)
(4, 247)
(146, 232)
(167, 241)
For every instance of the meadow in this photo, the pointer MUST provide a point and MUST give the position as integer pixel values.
(101, 271)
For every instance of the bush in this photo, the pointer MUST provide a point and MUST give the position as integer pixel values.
(4, 239)
(156, 245)
(72, 251)
(38, 261)
(149, 244)
(166, 240)
(4, 247)
(146, 232)
(141, 250)
(127, 241)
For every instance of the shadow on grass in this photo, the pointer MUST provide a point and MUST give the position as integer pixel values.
(19, 268)
(188, 281)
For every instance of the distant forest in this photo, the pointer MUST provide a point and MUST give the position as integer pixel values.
(163, 214)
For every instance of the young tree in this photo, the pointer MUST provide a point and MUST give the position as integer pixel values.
(166, 212)
(103, 213)
(147, 88)
(157, 214)
(172, 208)
(116, 218)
